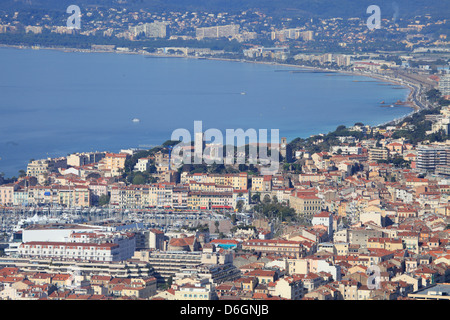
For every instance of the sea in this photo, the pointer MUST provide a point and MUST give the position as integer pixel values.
(54, 103)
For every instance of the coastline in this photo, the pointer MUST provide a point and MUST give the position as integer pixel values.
(410, 100)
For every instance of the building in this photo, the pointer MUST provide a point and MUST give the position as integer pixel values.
(150, 30)
(436, 292)
(284, 247)
(305, 204)
(39, 167)
(70, 251)
(55, 232)
(7, 194)
(288, 287)
(324, 219)
(217, 31)
(114, 163)
(197, 291)
(429, 157)
(156, 239)
(444, 85)
(142, 165)
(81, 159)
(292, 34)
(376, 154)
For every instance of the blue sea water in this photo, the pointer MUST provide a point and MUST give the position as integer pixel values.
(54, 103)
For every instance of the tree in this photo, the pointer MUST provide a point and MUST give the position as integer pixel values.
(217, 224)
(103, 199)
(22, 174)
(239, 205)
(139, 179)
(266, 199)
(256, 197)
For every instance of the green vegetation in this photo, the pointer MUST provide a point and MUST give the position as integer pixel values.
(199, 228)
(320, 143)
(271, 209)
(104, 200)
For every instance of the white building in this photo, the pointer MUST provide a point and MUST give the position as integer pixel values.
(76, 242)
(71, 251)
(346, 150)
(444, 85)
(325, 219)
(142, 165)
(54, 232)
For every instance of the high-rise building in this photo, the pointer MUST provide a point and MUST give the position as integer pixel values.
(428, 157)
(217, 31)
(293, 34)
(151, 30)
(376, 154)
(156, 30)
(444, 85)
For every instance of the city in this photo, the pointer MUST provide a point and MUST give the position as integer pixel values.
(359, 213)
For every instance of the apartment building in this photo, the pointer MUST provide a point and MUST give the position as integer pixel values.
(389, 244)
(113, 163)
(376, 154)
(429, 157)
(70, 251)
(210, 200)
(294, 248)
(288, 287)
(217, 31)
(150, 30)
(7, 194)
(444, 85)
(81, 159)
(305, 204)
(238, 181)
(39, 167)
(195, 292)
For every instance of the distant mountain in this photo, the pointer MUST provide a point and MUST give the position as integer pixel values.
(299, 8)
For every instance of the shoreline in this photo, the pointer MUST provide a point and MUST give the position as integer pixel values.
(393, 81)
(410, 101)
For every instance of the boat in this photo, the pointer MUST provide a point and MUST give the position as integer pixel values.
(136, 120)
(243, 93)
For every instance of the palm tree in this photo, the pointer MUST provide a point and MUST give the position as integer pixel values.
(217, 226)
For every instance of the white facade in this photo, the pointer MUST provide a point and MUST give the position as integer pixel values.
(71, 251)
(324, 219)
(404, 195)
(142, 165)
(55, 234)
